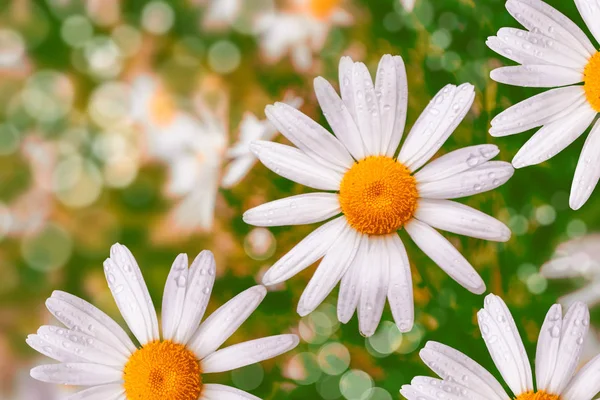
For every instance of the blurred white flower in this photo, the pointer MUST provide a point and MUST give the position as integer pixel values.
(577, 258)
(408, 5)
(242, 158)
(27, 388)
(300, 30)
(221, 13)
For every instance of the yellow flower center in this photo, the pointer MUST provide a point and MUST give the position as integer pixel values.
(541, 395)
(322, 9)
(162, 107)
(162, 370)
(591, 77)
(378, 195)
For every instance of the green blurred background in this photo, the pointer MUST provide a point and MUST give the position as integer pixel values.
(76, 177)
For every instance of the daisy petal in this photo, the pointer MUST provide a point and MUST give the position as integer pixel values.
(310, 137)
(103, 392)
(81, 346)
(411, 393)
(75, 312)
(504, 323)
(199, 286)
(339, 117)
(441, 251)
(221, 392)
(131, 294)
(554, 137)
(587, 172)
(400, 290)
(458, 218)
(436, 124)
(538, 110)
(174, 296)
(367, 109)
(309, 250)
(77, 374)
(386, 88)
(295, 210)
(482, 178)
(538, 16)
(532, 75)
(590, 12)
(588, 294)
(333, 266)
(401, 106)
(438, 389)
(58, 353)
(296, 166)
(453, 365)
(456, 161)
(547, 347)
(350, 285)
(586, 384)
(242, 354)
(574, 330)
(374, 286)
(346, 86)
(225, 321)
(505, 50)
(541, 49)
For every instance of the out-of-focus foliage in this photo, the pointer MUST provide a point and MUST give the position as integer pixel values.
(80, 171)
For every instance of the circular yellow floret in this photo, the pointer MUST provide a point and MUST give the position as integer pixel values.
(378, 195)
(322, 9)
(162, 370)
(591, 76)
(541, 395)
(162, 107)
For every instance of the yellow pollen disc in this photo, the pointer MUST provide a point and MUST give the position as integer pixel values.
(322, 9)
(378, 195)
(591, 78)
(162, 370)
(162, 107)
(541, 395)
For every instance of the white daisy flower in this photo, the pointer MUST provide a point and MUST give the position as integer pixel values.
(577, 258)
(300, 29)
(557, 357)
(553, 52)
(94, 351)
(376, 192)
(242, 158)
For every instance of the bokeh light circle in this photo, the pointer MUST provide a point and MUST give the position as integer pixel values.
(48, 249)
(334, 358)
(12, 47)
(224, 57)
(158, 17)
(48, 96)
(356, 384)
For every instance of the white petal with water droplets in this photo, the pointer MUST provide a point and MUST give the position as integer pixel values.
(547, 347)
(456, 161)
(401, 106)
(104, 392)
(221, 324)
(452, 365)
(587, 172)
(78, 374)
(445, 255)
(211, 391)
(242, 354)
(347, 86)
(439, 389)
(575, 328)
(590, 11)
(374, 286)
(309, 250)
(330, 271)
(538, 110)
(295, 210)
(199, 286)
(79, 315)
(482, 178)
(296, 166)
(400, 290)
(366, 109)
(56, 352)
(586, 384)
(539, 16)
(339, 117)
(387, 92)
(174, 296)
(458, 218)
(351, 282)
(554, 137)
(532, 75)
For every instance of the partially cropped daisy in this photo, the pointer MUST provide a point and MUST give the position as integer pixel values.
(558, 352)
(300, 29)
(376, 192)
(577, 258)
(94, 351)
(553, 52)
(242, 158)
